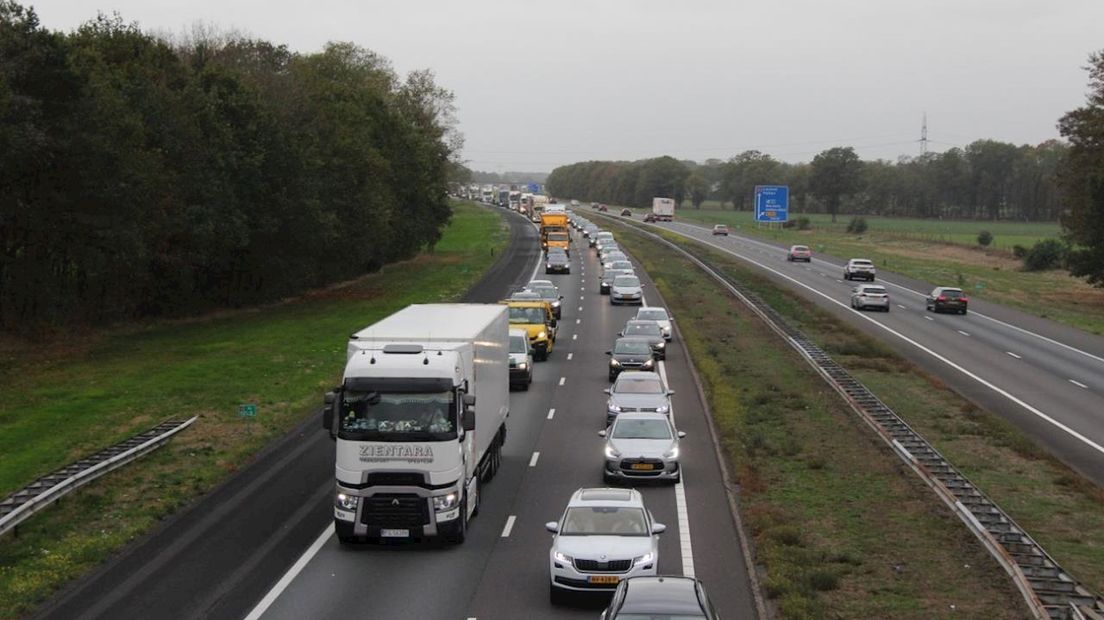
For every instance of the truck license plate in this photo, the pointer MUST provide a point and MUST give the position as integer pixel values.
(609, 579)
(641, 465)
(385, 533)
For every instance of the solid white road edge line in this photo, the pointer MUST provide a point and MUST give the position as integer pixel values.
(1014, 355)
(1079, 384)
(1056, 423)
(291, 574)
(533, 459)
(929, 318)
(686, 547)
(563, 380)
(962, 332)
(509, 526)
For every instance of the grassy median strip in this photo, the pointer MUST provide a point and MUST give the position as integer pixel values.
(841, 528)
(73, 398)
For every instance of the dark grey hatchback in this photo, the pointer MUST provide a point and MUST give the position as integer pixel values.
(659, 597)
(945, 298)
(631, 353)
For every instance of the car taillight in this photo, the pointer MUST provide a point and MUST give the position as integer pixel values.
(962, 299)
(941, 298)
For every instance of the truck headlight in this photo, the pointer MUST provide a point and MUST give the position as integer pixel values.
(442, 503)
(542, 335)
(614, 408)
(663, 408)
(648, 364)
(611, 453)
(644, 559)
(347, 502)
(555, 304)
(615, 363)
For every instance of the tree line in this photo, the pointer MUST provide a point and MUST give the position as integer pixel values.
(985, 180)
(141, 177)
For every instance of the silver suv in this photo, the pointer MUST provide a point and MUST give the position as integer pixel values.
(636, 390)
(859, 269)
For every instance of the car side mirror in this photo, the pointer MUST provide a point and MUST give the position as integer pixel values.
(561, 297)
(681, 435)
(609, 352)
(552, 526)
(602, 433)
(658, 528)
(607, 390)
(670, 392)
(620, 333)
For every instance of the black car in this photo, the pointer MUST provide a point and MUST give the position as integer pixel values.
(946, 298)
(557, 262)
(630, 353)
(651, 331)
(660, 597)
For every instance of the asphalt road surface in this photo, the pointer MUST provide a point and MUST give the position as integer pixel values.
(261, 544)
(1046, 378)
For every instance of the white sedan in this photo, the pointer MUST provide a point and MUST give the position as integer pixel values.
(603, 537)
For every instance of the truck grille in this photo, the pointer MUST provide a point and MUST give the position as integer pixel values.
(395, 511)
(594, 566)
(396, 479)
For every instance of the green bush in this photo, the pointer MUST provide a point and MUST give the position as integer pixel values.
(1019, 251)
(800, 223)
(1046, 254)
(857, 225)
(985, 238)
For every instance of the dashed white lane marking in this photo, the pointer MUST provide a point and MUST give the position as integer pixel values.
(569, 356)
(563, 380)
(685, 544)
(551, 412)
(533, 459)
(291, 574)
(929, 318)
(509, 526)
(840, 281)
(580, 308)
(962, 332)
(582, 288)
(574, 336)
(1014, 355)
(901, 307)
(1079, 384)
(581, 297)
(577, 321)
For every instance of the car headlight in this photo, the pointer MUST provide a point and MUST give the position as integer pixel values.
(672, 453)
(615, 363)
(648, 364)
(347, 502)
(566, 559)
(614, 408)
(663, 409)
(543, 334)
(442, 503)
(548, 265)
(644, 559)
(662, 345)
(555, 304)
(523, 365)
(611, 453)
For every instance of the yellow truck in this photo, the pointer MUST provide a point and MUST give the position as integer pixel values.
(536, 318)
(553, 231)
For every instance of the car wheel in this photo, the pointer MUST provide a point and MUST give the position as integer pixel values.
(846, 276)
(525, 385)
(964, 313)
(887, 308)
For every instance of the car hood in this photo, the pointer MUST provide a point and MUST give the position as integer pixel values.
(632, 357)
(650, 448)
(652, 340)
(638, 400)
(613, 547)
(518, 358)
(626, 290)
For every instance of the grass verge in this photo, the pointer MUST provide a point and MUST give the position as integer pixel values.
(74, 398)
(842, 529)
(946, 254)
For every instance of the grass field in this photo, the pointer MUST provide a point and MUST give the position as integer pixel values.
(841, 527)
(65, 399)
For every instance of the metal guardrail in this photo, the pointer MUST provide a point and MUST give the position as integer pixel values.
(1048, 590)
(19, 506)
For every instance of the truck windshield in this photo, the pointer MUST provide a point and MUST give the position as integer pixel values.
(529, 316)
(380, 416)
(557, 236)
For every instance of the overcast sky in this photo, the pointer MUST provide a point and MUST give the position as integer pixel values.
(543, 83)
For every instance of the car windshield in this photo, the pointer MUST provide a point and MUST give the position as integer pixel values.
(526, 315)
(800, 248)
(632, 347)
(643, 329)
(621, 264)
(660, 616)
(951, 294)
(875, 290)
(626, 281)
(382, 416)
(652, 314)
(720, 227)
(604, 521)
(645, 385)
(519, 344)
(548, 293)
(610, 274)
(641, 429)
(862, 263)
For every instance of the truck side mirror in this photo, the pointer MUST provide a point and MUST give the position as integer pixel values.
(331, 405)
(467, 419)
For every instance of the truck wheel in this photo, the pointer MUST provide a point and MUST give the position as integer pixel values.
(459, 530)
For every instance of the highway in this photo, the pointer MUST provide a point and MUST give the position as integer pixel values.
(261, 545)
(1046, 378)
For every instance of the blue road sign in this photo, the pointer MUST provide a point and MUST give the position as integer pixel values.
(534, 188)
(772, 203)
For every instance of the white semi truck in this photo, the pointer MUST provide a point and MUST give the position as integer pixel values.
(663, 209)
(419, 420)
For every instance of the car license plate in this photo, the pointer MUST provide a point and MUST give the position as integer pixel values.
(607, 579)
(385, 533)
(641, 465)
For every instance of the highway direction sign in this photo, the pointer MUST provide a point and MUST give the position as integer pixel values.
(772, 203)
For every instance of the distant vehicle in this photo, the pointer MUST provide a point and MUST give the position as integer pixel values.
(503, 198)
(552, 297)
(650, 217)
(661, 318)
(557, 262)
(553, 231)
(799, 252)
(525, 295)
(608, 248)
(626, 212)
(514, 200)
(601, 236)
(408, 385)
(594, 205)
(574, 203)
(866, 296)
(659, 597)
(630, 353)
(626, 290)
(617, 263)
(637, 390)
(489, 194)
(606, 279)
(663, 209)
(539, 202)
(603, 208)
(521, 360)
(720, 229)
(859, 268)
(946, 298)
(535, 317)
(642, 446)
(650, 330)
(535, 284)
(604, 536)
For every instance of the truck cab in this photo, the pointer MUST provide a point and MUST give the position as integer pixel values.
(537, 319)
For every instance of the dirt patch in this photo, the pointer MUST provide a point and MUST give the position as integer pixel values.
(994, 259)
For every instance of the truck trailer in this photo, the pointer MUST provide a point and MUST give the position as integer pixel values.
(663, 209)
(553, 230)
(419, 421)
